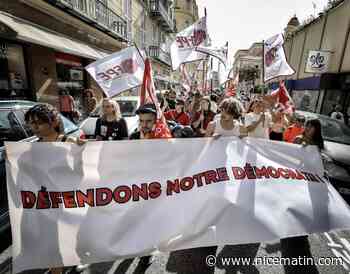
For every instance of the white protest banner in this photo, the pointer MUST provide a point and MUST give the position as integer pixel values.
(183, 49)
(275, 63)
(318, 61)
(74, 204)
(119, 71)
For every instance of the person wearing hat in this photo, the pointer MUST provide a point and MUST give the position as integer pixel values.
(180, 131)
(178, 114)
(295, 129)
(147, 120)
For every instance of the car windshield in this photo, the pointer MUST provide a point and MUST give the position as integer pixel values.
(10, 127)
(127, 108)
(335, 131)
(68, 126)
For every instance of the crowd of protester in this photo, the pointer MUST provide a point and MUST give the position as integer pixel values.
(191, 115)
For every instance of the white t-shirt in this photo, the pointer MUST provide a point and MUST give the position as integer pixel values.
(262, 130)
(223, 132)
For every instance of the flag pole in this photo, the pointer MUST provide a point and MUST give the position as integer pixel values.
(203, 84)
(140, 52)
(263, 66)
(211, 70)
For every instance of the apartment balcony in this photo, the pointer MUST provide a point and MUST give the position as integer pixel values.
(97, 13)
(163, 15)
(157, 53)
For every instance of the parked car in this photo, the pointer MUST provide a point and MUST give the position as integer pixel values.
(13, 128)
(128, 106)
(336, 154)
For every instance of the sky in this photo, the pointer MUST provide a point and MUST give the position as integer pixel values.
(243, 22)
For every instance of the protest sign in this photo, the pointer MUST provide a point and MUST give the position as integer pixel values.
(107, 200)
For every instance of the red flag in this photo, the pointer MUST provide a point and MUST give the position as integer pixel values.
(148, 95)
(232, 87)
(282, 98)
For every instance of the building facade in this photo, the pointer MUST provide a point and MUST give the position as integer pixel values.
(248, 63)
(186, 14)
(328, 32)
(45, 45)
(152, 28)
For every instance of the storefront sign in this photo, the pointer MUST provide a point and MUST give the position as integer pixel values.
(67, 59)
(318, 61)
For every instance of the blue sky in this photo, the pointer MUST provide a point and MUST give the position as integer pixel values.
(243, 22)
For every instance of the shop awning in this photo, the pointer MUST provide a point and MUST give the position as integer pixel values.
(30, 32)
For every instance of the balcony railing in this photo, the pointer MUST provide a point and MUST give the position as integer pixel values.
(158, 53)
(158, 10)
(96, 12)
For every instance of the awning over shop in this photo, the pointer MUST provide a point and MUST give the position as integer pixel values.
(310, 83)
(30, 32)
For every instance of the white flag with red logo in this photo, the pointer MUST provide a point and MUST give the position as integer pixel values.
(148, 95)
(183, 49)
(275, 62)
(118, 72)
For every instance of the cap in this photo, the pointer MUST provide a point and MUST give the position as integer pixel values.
(146, 108)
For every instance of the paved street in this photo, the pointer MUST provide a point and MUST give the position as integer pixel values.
(330, 245)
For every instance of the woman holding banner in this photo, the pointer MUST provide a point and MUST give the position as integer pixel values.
(299, 246)
(228, 124)
(312, 135)
(110, 126)
(257, 120)
(45, 123)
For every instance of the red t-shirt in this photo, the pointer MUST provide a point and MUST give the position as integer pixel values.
(66, 103)
(292, 132)
(180, 118)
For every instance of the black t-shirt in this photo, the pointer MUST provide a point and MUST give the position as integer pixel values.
(135, 136)
(171, 104)
(115, 130)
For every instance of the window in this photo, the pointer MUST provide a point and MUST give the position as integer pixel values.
(189, 5)
(305, 100)
(155, 34)
(13, 78)
(143, 29)
(332, 98)
(127, 14)
(102, 12)
(10, 127)
(70, 74)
